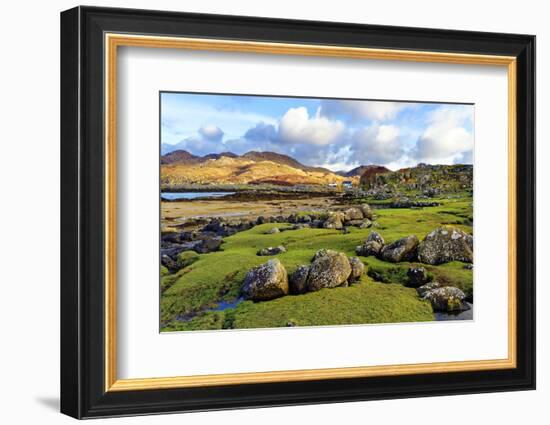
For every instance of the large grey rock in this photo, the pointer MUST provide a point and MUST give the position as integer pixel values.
(266, 282)
(273, 230)
(446, 244)
(271, 250)
(353, 214)
(446, 298)
(297, 282)
(367, 211)
(335, 220)
(403, 249)
(357, 269)
(369, 248)
(328, 270)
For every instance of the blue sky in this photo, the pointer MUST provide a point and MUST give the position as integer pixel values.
(332, 133)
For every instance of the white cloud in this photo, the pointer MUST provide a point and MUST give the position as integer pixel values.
(377, 144)
(211, 132)
(447, 139)
(371, 110)
(297, 127)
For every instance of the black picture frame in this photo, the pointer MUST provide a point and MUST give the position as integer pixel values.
(83, 392)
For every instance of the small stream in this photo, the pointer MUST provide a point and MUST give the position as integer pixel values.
(463, 315)
(222, 305)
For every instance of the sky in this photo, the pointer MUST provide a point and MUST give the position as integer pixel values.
(332, 133)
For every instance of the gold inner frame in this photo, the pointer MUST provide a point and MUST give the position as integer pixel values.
(113, 41)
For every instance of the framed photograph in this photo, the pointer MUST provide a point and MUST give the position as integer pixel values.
(261, 212)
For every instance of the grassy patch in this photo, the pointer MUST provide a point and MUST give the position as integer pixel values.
(218, 276)
(362, 303)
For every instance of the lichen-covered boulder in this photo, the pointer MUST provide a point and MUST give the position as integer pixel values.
(297, 282)
(353, 214)
(266, 282)
(357, 269)
(328, 270)
(422, 290)
(417, 276)
(335, 220)
(271, 250)
(367, 211)
(446, 244)
(446, 298)
(403, 249)
(369, 248)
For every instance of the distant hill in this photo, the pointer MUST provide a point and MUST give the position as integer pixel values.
(181, 167)
(431, 179)
(362, 169)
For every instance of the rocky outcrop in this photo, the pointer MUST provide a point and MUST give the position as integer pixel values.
(446, 244)
(444, 298)
(357, 269)
(328, 270)
(297, 281)
(271, 251)
(266, 282)
(403, 249)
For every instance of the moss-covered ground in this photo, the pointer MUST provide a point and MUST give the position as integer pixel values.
(196, 290)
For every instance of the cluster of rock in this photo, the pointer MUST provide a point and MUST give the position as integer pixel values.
(442, 245)
(208, 238)
(443, 298)
(271, 251)
(361, 217)
(329, 269)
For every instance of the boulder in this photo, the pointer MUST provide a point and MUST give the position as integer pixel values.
(422, 290)
(367, 211)
(375, 236)
(403, 249)
(208, 245)
(369, 248)
(167, 262)
(446, 244)
(266, 282)
(297, 282)
(328, 270)
(446, 298)
(353, 214)
(271, 250)
(274, 230)
(357, 269)
(335, 220)
(418, 276)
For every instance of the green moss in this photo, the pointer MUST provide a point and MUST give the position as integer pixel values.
(186, 258)
(163, 271)
(362, 303)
